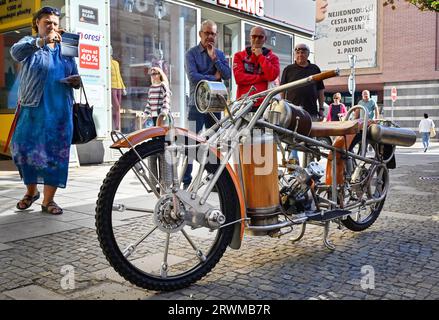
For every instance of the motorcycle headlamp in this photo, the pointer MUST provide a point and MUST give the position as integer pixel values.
(211, 96)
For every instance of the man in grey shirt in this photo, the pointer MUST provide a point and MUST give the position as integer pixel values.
(370, 105)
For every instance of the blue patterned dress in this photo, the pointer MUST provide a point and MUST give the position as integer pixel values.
(42, 138)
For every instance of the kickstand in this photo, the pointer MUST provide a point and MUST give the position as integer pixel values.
(326, 241)
(292, 239)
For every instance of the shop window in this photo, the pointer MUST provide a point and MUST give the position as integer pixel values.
(146, 34)
(9, 70)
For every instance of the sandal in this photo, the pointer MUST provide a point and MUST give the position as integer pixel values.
(27, 201)
(52, 208)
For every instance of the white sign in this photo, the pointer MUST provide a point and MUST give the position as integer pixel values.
(350, 27)
(351, 84)
(92, 62)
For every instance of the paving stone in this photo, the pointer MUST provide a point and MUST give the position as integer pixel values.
(14, 231)
(401, 246)
(33, 292)
(109, 291)
(4, 247)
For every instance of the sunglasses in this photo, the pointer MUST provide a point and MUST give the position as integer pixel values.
(155, 74)
(301, 49)
(213, 34)
(257, 36)
(50, 10)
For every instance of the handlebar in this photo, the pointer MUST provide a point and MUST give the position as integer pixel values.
(270, 93)
(297, 83)
(325, 75)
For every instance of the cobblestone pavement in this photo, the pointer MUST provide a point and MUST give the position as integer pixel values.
(397, 258)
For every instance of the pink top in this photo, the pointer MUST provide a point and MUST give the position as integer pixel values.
(343, 111)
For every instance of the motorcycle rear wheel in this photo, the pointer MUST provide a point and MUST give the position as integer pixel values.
(118, 231)
(356, 222)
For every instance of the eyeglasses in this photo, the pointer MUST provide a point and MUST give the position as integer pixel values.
(50, 10)
(257, 36)
(213, 34)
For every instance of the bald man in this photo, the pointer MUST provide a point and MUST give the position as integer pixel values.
(255, 66)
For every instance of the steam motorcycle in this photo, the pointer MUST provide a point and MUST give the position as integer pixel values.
(160, 236)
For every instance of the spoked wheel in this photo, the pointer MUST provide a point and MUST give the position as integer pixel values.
(365, 216)
(325, 140)
(140, 236)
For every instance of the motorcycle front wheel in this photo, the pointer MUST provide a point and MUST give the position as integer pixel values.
(148, 248)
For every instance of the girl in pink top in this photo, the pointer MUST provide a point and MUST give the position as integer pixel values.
(336, 109)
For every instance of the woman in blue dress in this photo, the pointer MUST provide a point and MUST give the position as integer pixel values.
(42, 138)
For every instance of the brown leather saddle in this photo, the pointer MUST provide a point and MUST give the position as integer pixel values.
(334, 128)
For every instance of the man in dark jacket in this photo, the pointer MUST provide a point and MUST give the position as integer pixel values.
(255, 66)
(306, 96)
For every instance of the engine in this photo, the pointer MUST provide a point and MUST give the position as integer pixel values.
(296, 185)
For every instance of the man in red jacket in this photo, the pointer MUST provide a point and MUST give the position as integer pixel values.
(255, 66)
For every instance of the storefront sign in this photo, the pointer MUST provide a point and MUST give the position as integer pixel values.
(88, 15)
(91, 37)
(349, 27)
(297, 14)
(255, 7)
(16, 13)
(88, 56)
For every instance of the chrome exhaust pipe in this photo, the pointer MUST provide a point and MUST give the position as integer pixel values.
(391, 135)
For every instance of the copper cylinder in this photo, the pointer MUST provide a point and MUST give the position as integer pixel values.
(260, 174)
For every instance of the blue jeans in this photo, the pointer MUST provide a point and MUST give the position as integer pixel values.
(196, 122)
(425, 139)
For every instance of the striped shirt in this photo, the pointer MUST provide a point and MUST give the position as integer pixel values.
(158, 99)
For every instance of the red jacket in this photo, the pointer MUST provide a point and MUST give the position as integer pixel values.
(251, 70)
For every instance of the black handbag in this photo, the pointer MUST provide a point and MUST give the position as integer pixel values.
(84, 128)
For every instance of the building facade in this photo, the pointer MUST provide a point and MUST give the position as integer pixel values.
(405, 56)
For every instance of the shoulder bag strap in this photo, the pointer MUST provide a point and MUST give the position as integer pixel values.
(82, 90)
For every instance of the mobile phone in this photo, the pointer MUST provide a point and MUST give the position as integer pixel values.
(67, 79)
(69, 44)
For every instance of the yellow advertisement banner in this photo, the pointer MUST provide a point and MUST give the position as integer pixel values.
(17, 13)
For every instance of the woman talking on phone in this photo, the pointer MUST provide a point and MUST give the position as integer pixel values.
(43, 135)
